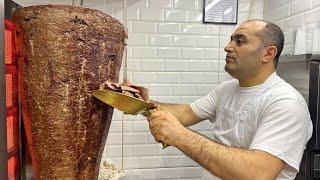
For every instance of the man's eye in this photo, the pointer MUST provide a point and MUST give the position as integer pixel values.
(239, 41)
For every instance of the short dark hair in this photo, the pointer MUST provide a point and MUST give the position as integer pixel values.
(271, 35)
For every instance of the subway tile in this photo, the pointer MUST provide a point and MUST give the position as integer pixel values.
(160, 40)
(150, 162)
(200, 5)
(208, 41)
(137, 3)
(212, 29)
(116, 126)
(152, 65)
(276, 3)
(172, 161)
(312, 16)
(204, 89)
(168, 99)
(176, 15)
(170, 28)
(211, 53)
(199, 77)
(185, 4)
(198, 66)
(133, 65)
(152, 14)
(131, 163)
(161, 89)
(144, 77)
(227, 30)
(193, 29)
(160, 3)
(144, 27)
(315, 3)
(143, 174)
(194, 15)
(185, 41)
(116, 151)
(188, 99)
(137, 39)
(140, 126)
(169, 151)
(167, 173)
(168, 53)
(269, 15)
(190, 172)
(299, 6)
(117, 115)
(133, 13)
(182, 89)
(114, 139)
(135, 138)
(175, 66)
(118, 14)
(192, 53)
(114, 3)
(224, 40)
(168, 77)
(293, 22)
(281, 12)
(224, 77)
(144, 52)
(288, 49)
(144, 150)
(289, 37)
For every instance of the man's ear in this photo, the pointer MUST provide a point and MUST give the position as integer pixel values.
(269, 53)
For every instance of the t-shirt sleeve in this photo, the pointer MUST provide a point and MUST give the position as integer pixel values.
(205, 106)
(284, 131)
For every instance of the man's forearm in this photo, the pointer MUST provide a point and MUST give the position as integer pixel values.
(225, 162)
(182, 112)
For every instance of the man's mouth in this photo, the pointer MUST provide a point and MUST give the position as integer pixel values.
(229, 59)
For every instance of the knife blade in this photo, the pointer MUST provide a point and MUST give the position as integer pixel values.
(122, 102)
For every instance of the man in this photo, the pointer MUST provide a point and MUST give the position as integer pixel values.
(261, 123)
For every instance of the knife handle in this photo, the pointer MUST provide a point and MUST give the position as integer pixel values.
(164, 145)
(152, 107)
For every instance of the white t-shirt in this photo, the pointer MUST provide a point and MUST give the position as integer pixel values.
(272, 117)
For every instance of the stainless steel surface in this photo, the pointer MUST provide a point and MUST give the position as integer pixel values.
(295, 70)
(302, 72)
(3, 118)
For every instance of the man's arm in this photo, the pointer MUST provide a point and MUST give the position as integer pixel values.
(182, 112)
(228, 162)
(223, 161)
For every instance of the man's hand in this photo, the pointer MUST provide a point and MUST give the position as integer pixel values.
(165, 127)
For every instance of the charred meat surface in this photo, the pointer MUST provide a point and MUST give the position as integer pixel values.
(64, 53)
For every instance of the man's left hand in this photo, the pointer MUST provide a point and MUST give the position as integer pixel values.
(165, 127)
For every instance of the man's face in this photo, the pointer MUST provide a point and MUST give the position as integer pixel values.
(244, 51)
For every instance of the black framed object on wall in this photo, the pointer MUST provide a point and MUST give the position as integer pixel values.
(220, 11)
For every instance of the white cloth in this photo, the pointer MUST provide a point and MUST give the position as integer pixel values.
(272, 117)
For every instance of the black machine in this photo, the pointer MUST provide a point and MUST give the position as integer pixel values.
(302, 72)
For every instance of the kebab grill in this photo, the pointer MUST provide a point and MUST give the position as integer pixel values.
(64, 53)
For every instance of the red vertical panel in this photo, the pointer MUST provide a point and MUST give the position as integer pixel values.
(8, 46)
(10, 131)
(12, 166)
(9, 80)
(11, 102)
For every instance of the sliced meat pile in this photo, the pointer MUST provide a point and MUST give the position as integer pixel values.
(132, 91)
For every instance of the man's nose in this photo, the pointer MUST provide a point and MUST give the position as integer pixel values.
(228, 48)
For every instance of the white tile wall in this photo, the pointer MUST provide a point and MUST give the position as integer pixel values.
(180, 59)
(291, 15)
